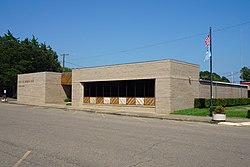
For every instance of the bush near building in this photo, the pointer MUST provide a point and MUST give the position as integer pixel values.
(226, 102)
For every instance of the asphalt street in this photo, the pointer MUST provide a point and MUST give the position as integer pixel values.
(35, 136)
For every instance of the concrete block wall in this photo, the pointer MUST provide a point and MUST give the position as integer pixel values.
(168, 74)
(54, 92)
(222, 90)
(40, 88)
(184, 85)
(176, 85)
(158, 70)
(77, 91)
(162, 94)
(31, 88)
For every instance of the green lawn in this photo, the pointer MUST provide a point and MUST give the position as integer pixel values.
(235, 111)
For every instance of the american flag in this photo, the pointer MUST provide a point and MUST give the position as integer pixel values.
(207, 41)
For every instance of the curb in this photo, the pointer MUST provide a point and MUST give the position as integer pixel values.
(234, 124)
(118, 113)
(151, 117)
(164, 117)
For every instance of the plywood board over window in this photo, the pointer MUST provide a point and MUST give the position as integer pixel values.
(66, 79)
(99, 100)
(122, 100)
(131, 101)
(93, 100)
(139, 101)
(149, 101)
(86, 100)
(114, 100)
(106, 100)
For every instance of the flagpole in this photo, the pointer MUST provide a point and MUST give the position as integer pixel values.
(211, 71)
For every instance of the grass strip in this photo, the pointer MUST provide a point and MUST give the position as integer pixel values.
(235, 111)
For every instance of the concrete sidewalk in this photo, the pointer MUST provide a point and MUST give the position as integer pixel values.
(204, 119)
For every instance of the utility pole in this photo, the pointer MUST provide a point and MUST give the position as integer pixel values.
(63, 61)
(232, 73)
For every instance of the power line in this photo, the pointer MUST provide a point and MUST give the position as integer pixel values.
(233, 26)
(160, 43)
(73, 64)
(146, 46)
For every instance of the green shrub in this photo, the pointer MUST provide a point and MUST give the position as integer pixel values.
(248, 113)
(67, 99)
(218, 110)
(225, 102)
(199, 103)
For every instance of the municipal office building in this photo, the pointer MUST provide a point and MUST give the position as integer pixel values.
(160, 86)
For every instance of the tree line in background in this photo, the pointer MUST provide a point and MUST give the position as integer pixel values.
(245, 75)
(28, 55)
(205, 75)
(23, 56)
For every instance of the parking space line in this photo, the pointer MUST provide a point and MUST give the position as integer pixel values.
(23, 158)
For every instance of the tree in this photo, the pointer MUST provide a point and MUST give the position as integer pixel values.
(26, 56)
(205, 75)
(245, 74)
(224, 79)
(66, 69)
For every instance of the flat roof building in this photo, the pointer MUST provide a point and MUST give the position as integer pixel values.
(248, 84)
(158, 86)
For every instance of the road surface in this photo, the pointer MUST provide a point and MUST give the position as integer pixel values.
(33, 136)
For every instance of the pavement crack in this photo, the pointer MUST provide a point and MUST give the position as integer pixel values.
(145, 151)
(139, 163)
(150, 148)
(12, 144)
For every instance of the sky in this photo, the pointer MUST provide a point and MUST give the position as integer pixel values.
(106, 32)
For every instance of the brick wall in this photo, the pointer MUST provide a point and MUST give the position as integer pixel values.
(175, 83)
(53, 89)
(184, 85)
(158, 70)
(31, 88)
(40, 88)
(222, 90)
